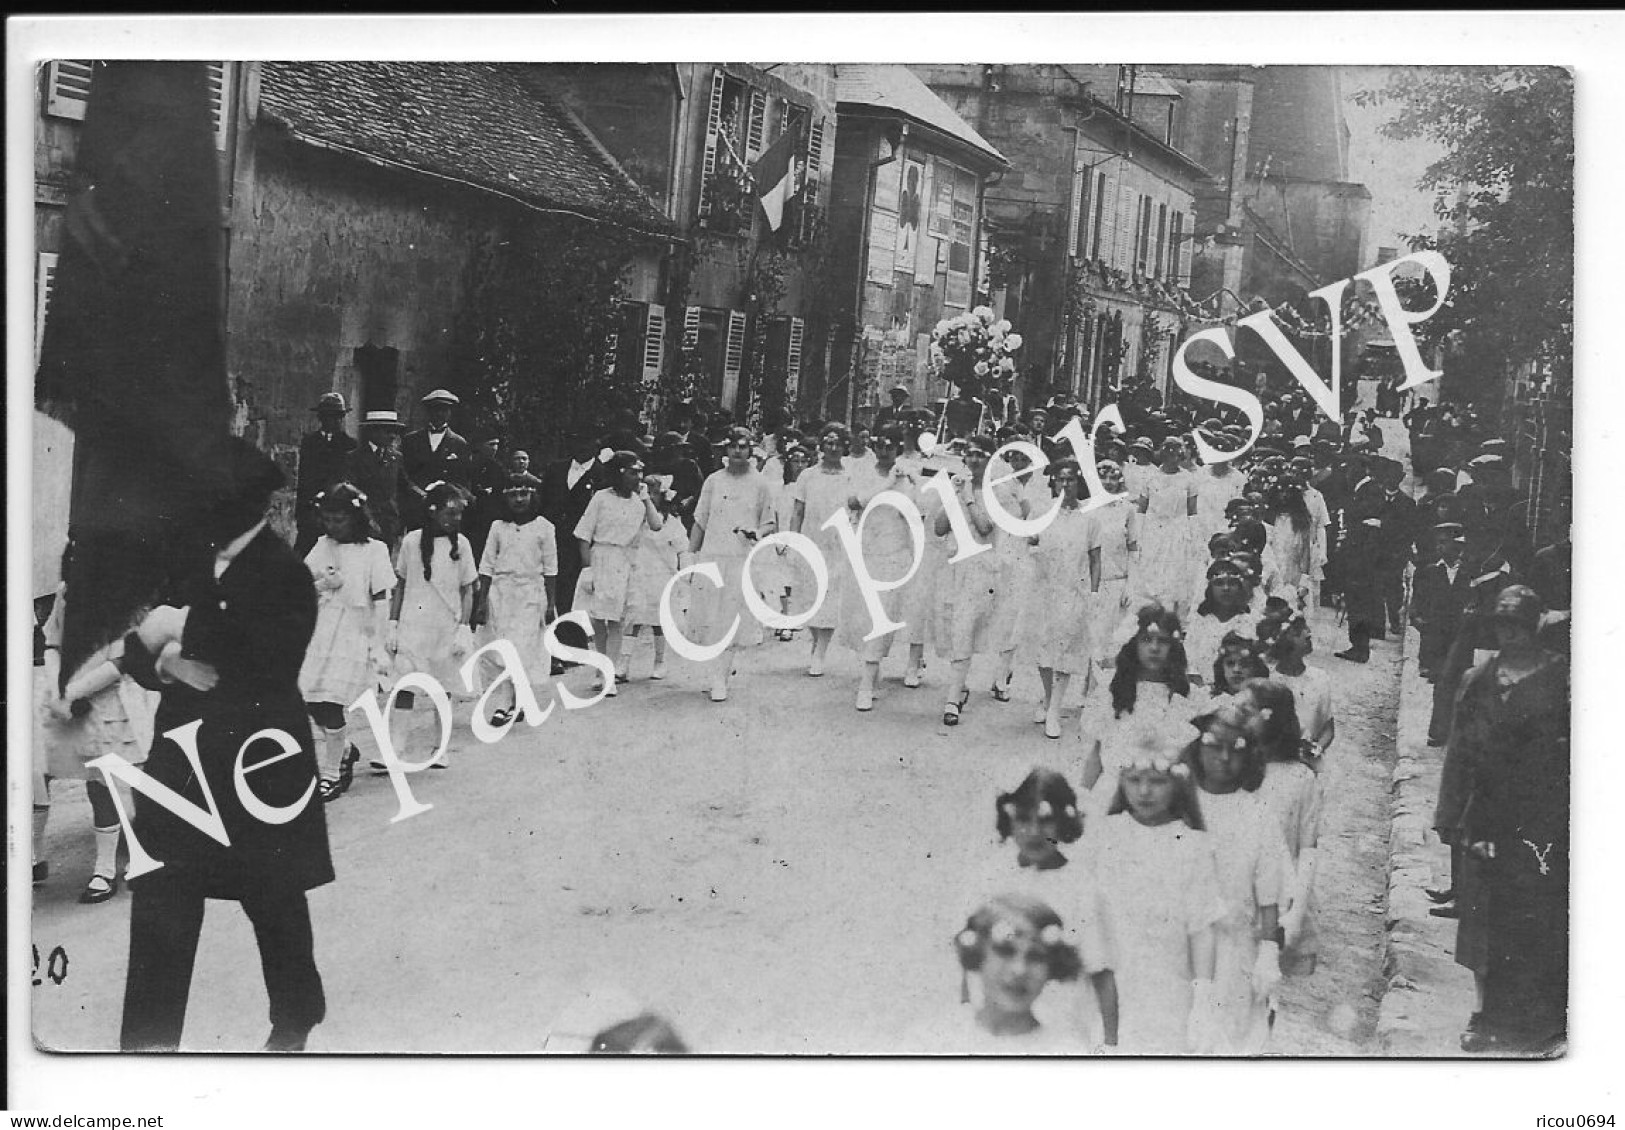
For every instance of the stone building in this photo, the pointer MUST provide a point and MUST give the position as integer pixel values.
(354, 196)
(906, 232)
(1090, 230)
(741, 316)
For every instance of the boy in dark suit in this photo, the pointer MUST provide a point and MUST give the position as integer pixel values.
(324, 455)
(434, 453)
(567, 486)
(1442, 589)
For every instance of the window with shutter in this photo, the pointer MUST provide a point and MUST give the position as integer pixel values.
(1128, 227)
(1176, 244)
(220, 95)
(691, 327)
(756, 126)
(67, 88)
(733, 358)
(1161, 240)
(1098, 232)
(792, 363)
(713, 130)
(1074, 215)
(654, 343)
(1185, 258)
(815, 150)
(45, 276)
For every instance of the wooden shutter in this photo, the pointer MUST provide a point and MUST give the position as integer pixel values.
(1159, 258)
(44, 277)
(792, 364)
(1176, 245)
(221, 86)
(755, 126)
(815, 149)
(1075, 212)
(713, 127)
(1127, 229)
(733, 358)
(654, 343)
(1185, 248)
(67, 88)
(691, 327)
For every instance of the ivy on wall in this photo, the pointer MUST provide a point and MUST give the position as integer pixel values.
(529, 346)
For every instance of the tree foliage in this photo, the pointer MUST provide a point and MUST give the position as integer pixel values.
(1504, 188)
(530, 344)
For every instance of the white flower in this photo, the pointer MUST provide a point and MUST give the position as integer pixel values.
(1002, 932)
(1050, 935)
(984, 313)
(1012, 342)
(1044, 810)
(1004, 326)
(981, 368)
(1007, 366)
(967, 938)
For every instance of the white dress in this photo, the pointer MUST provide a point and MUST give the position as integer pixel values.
(432, 608)
(888, 550)
(823, 493)
(1204, 634)
(119, 720)
(1289, 559)
(1312, 694)
(1155, 887)
(1251, 856)
(1157, 710)
(774, 572)
(1056, 627)
(1166, 541)
(338, 663)
(655, 563)
(1292, 792)
(728, 503)
(1108, 610)
(976, 602)
(610, 525)
(518, 559)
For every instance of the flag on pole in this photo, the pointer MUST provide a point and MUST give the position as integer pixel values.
(133, 352)
(774, 175)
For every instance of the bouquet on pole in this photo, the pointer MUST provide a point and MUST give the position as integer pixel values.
(975, 351)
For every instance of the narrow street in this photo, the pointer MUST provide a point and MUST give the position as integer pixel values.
(778, 873)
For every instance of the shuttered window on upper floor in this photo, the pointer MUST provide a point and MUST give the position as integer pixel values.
(68, 82)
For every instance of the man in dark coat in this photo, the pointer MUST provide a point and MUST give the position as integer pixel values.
(567, 486)
(226, 656)
(487, 480)
(1439, 597)
(324, 456)
(375, 467)
(434, 453)
(1396, 541)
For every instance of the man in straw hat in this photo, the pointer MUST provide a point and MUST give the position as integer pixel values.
(375, 466)
(434, 453)
(324, 455)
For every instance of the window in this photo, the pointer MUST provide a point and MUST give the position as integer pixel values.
(741, 122)
(733, 358)
(1162, 238)
(67, 92)
(1142, 255)
(1185, 249)
(1176, 245)
(378, 366)
(1100, 215)
(654, 343)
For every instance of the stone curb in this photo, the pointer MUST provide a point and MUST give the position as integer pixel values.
(1426, 997)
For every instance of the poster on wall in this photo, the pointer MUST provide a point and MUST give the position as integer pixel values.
(908, 215)
(882, 247)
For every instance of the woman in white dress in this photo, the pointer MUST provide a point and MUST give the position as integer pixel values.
(1311, 687)
(608, 534)
(824, 491)
(735, 511)
(776, 574)
(519, 570)
(1167, 504)
(1226, 608)
(1056, 630)
(974, 591)
(888, 551)
(1117, 523)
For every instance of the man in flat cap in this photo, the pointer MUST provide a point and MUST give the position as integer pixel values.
(1440, 594)
(434, 453)
(897, 411)
(323, 456)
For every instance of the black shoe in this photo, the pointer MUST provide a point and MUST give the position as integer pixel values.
(1435, 743)
(1447, 895)
(347, 768)
(1355, 656)
(42, 871)
(1444, 912)
(501, 717)
(286, 1040)
(94, 893)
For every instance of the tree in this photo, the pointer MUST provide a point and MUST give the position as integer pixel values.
(1505, 187)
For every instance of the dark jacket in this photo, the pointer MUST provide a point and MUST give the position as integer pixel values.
(252, 625)
(380, 480)
(423, 466)
(1437, 600)
(564, 505)
(323, 461)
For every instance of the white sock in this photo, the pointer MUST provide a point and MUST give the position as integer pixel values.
(107, 851)
(330, 753)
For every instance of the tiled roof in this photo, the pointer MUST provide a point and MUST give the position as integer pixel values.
(892, 86)
(490, 125)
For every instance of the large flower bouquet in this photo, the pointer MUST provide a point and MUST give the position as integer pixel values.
(975, 350)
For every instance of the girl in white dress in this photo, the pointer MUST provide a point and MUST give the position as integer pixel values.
(1292, 791)
(1226, 608)
(517, 582)
(1228, 765)
(1034, 495)
(922, 602)
(824, 491)
(1152, 869)
(354, 579)
(608, 534)
(776, 574)
(1167, 503)
(659, 556)
(1311, 687)
(735, 510)
(1149, 694)
(974, 592)
(429, 617)
(1239, 660)
(1041, 816)
(1014, 945)
(1056, 631)
(888, 550)
(1290, 560)
(1117, 523)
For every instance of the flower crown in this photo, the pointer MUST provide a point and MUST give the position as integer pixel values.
(1044, 811)
(1159, 763)
(1002, 933)
(358, 501)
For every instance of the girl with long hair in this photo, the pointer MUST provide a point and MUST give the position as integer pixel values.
(1149, 691)
(608, 532)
